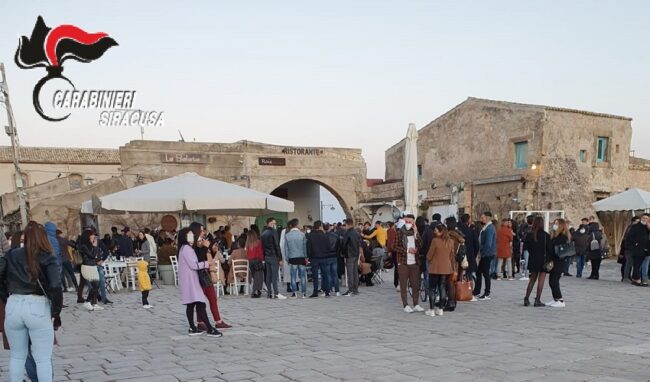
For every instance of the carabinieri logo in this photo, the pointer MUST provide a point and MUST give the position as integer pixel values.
(49, 48)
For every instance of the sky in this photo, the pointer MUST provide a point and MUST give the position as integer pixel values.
(335, 73)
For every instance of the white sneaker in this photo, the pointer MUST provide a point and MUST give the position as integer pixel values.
(147, 306)
(430, 313)
(524, 278)
(281, 297)
(338, 294)
(437, 311)
(408, 309)
(97, 307)
(474, 299)
(89, 306)
(71, 289)
(397, 288)
(558, 304)
(550, 303)
(418, 308)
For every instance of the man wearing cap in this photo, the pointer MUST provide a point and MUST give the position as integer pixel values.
(407, 244)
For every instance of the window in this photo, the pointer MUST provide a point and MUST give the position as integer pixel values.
(601, 149)
(617, 149)
(583, 155)
(521, 155)
(419, 171)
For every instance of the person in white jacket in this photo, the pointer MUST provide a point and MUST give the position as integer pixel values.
(286, 275)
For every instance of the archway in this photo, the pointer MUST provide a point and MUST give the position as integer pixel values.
(313, 200)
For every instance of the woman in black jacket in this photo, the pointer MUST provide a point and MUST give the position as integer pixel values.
(560, 236)
(539, 245)
(636, 242)
(30, 283)
(92, 257)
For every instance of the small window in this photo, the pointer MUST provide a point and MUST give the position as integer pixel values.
(617, 149)
(521, 155)
(419, 171)
(583, 155)
(601, 149)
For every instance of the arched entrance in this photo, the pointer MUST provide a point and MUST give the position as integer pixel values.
(313, 201)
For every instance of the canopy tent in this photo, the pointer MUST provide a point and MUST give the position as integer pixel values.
(615, 212)
(411, 170)
(188, 192)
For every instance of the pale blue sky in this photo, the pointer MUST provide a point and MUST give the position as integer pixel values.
(336, 73)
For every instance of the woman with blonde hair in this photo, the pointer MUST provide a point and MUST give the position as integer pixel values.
(560, 235)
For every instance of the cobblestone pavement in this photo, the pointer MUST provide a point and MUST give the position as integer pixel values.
(602, 335)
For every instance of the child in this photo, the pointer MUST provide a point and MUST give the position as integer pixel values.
(144, 282)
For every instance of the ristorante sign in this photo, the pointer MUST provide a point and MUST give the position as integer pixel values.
(302, 151)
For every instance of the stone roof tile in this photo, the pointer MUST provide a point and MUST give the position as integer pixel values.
(61, 155)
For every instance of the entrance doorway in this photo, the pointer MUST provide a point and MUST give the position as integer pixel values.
(312, 201)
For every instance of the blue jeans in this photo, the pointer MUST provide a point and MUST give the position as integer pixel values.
(316, 266)
(66, 269)
(102, 283)
(644, 269)
(29, 317)
(580, 265)
(331, 273)
(524, 271)
(294, 269)
(493, 266)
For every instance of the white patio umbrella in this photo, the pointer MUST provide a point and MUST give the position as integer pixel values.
(615, 212)
(192, 193)
(411, 170)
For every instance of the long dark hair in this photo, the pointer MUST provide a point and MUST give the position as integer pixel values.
(85, 238)
(420, 223)
(36, 244)
(538, 224)
(196, 227)
(182, 240)
(15, 239)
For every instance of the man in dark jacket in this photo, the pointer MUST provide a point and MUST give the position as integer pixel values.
(637, 242)
(581, 237)
(272, 258)
(487, 252)
(330, 262)
(471, 244)
(350, 250)
(124, 243)
(317, 248)
(522, 233)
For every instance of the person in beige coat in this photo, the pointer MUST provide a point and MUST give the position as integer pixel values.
(441, 264)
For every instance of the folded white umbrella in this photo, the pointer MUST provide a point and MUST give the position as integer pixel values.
(190, 192)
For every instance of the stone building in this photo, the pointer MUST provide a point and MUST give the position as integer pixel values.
(294, 173)
(504, 156)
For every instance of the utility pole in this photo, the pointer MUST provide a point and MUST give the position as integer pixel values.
(10, 129)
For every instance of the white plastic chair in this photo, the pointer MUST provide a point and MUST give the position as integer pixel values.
(112, 278)
(219, 284)
(174, 261)
(132, 271)
(239, 267)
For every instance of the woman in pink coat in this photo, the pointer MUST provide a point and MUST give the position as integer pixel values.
(192, 295)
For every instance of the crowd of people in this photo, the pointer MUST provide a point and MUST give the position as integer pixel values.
(39, 264)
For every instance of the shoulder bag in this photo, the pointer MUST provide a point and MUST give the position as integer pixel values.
(565, 250)
(595, 244)
(463, 289)
(548, 262)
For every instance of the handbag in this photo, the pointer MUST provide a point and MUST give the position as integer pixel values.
(90, 272)
(548, 262)
(595, 244)
(204, 278)
(463, 289)
(565, 250)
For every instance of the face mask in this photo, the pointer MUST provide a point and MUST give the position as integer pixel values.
(408, 226)
(190, 238)
(582, 230)
(22, 245)
(555, 227)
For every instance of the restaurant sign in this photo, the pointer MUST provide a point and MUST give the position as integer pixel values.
(184, 158)
(302, 151)
(272, 161)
